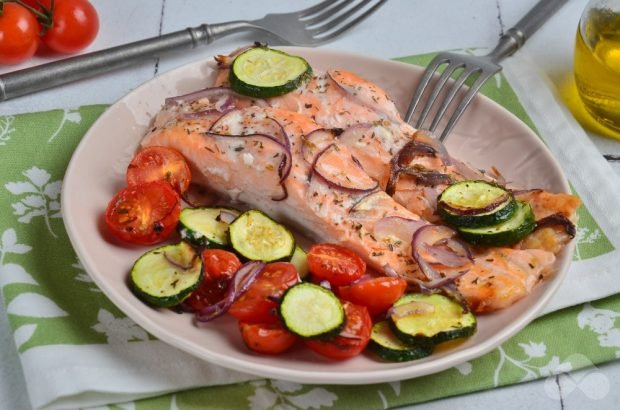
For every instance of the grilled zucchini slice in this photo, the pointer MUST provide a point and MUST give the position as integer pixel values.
(262, 72)
(505, 233)
(422, 319)
(472, 204)
(257, 237)
(203, 226)
(300, 261)
(165, 276)
(312, 312)
(387, 346)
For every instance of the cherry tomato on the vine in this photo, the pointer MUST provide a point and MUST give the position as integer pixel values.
(143, 214)
(334, 263)
(19, 34)
(75, 24)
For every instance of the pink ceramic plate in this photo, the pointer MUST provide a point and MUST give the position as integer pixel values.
(487, 135)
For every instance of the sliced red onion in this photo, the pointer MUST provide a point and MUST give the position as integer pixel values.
(517, 192)
(348, 335)
(315, 142)
(255, 141)
(427, 177)
(426, 137)
(401, 228)
(354, 181)
(369, 201)
(179, 264)
(226, 217)
(238, 122)
(558, 219)
(413, 149)
(476, 211)
(198, 196)
(325, 284)
(411, 308)
(210, 93)
(439, 283)
(224, 61)
(467, 172)
(240, 282)
(431, 235)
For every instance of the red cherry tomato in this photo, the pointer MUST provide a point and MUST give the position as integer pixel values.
(257, 304)
(377, 294)
(159, 164)
(218, 267)
(75, 24)
(143, 214)
(352, 340)
(19, 34)
(268, 338)
(334, 263)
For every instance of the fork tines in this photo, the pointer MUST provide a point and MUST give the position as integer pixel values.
(473, 68)
(330, 18)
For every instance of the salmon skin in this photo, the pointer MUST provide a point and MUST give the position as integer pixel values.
(321, 159)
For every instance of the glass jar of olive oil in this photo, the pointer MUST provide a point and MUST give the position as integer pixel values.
(597, 61)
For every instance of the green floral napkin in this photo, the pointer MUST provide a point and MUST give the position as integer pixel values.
(78, 350)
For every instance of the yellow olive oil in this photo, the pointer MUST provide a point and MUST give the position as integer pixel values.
(597, 66)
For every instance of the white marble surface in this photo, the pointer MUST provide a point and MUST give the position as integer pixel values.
(401, 27)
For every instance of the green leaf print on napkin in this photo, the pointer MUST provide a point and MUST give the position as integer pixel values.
(49, 297)
(591, 241)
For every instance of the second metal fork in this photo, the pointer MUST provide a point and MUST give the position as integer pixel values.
(309, 27)
(478, 69)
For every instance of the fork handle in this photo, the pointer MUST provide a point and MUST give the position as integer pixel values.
(29, 80)
(516, 36)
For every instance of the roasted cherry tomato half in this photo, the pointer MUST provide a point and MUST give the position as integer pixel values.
(75, 24)
(218, 267)
(378, 294)
(334, 263)
(144, 214)
(160, 164)
(259, 303)
(353, 338)
(19, 34)
(268, 338)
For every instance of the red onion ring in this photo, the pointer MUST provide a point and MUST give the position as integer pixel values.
(475, 211)
(331, 180)
(430, 235)
(427, 177)
(226, 217)
(371, 196)
(224, 61)
(284, 167)
(240, 282)
(558, 219)
(315, 142)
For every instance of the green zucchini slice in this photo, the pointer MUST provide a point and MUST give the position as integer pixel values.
(257, 237)
(421, 319)
(165, 276)
(387, 346)
(312, 312)
(262, 72)
(475, 204)
(203, 226)
(505, 233)
(300, 261)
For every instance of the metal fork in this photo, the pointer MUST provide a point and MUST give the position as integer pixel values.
(478, 69)
(309, 27)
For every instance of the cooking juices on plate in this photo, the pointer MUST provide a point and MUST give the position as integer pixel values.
(410, 243)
